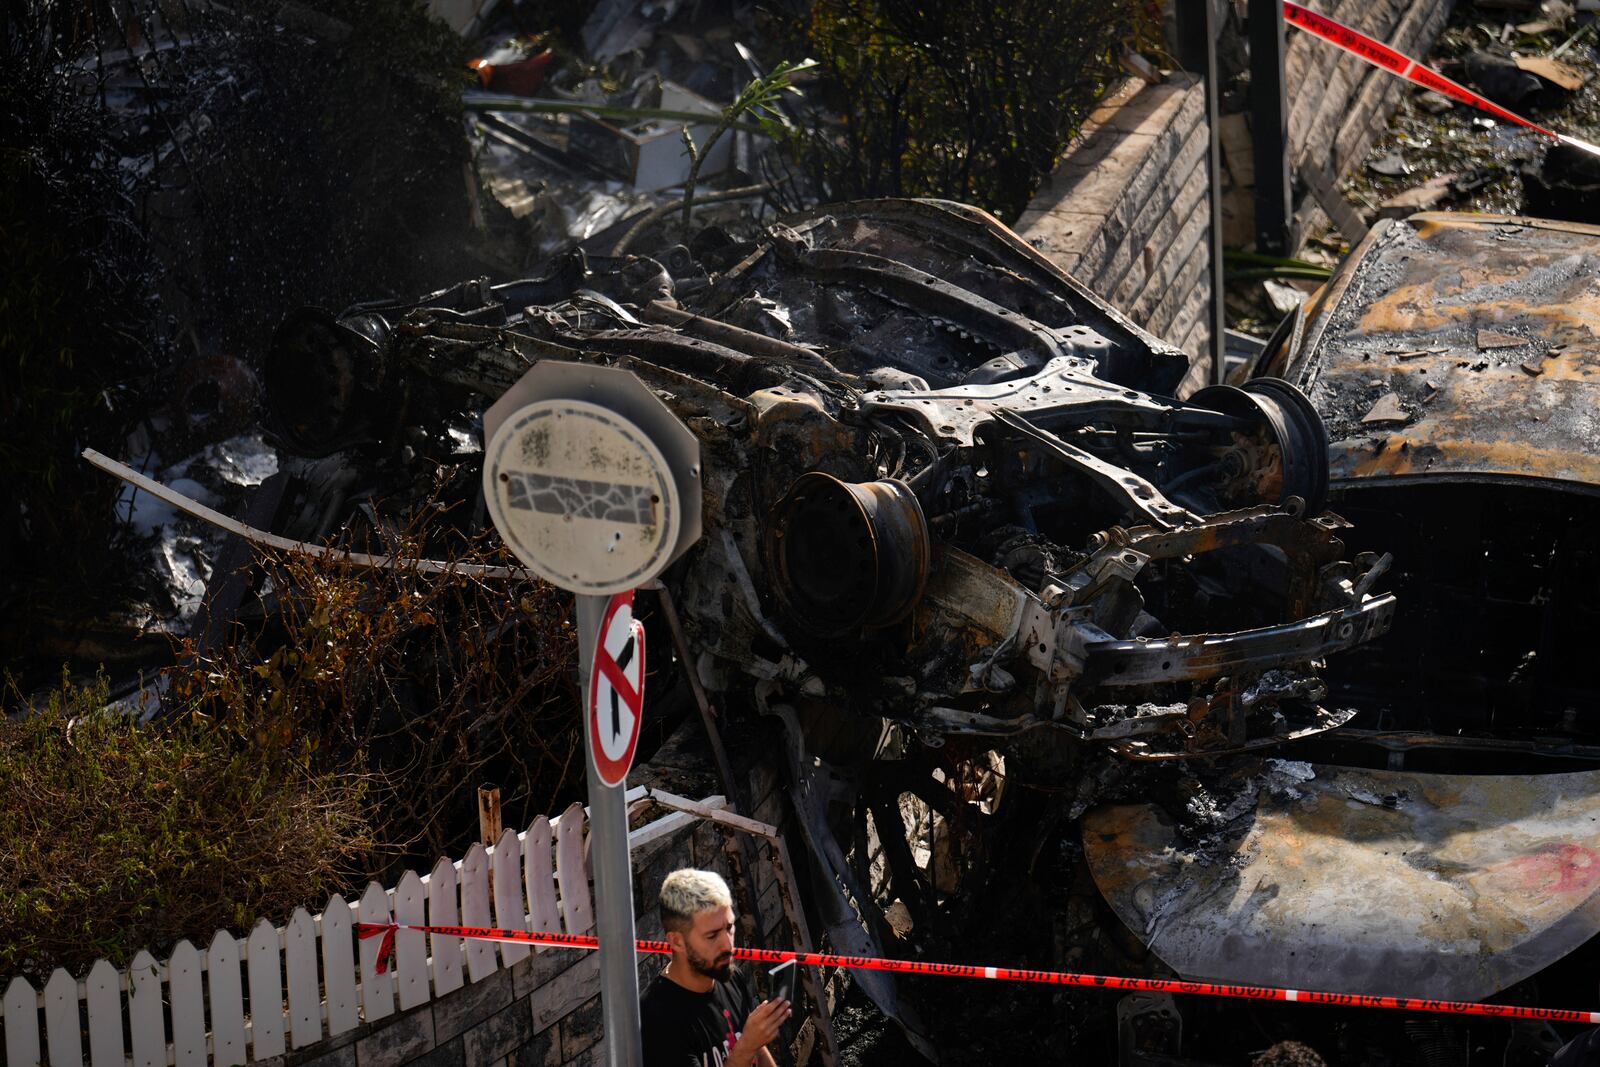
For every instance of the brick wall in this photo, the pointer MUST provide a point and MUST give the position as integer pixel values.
(545, 1010)
(1126, 210)
(1338, 104)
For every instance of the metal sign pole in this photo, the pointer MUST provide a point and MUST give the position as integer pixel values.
(1219, 318)
(595, 485)
(613, 875)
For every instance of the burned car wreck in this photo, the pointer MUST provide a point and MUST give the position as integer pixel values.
(946, 487)
(954, 508)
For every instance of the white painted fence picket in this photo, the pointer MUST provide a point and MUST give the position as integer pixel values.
(305, 998)
(22, 1022)
(444, 911)
(475, 911)
(227, 1000)
(535, 880)
(410, 947)
(104, 994)
(264, 972)
(188, 1027)
(509, 911)
(145, 1024)
(339, 966)
(577, 906)
(61, 1019)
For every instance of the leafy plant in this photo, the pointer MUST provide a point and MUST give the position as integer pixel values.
(116, 836)
(758, 100)
(964, 99)
(430, 683)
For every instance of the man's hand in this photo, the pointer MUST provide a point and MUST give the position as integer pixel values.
(760, 1030)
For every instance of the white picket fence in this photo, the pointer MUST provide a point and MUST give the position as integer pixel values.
(289, 987)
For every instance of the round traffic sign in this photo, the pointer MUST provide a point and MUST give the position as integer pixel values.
(582, 496)
(616, 690)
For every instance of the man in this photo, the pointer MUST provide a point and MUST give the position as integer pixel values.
(700, 1012)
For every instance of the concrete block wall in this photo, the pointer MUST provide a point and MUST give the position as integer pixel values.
(1338, 104)
(1126, 210)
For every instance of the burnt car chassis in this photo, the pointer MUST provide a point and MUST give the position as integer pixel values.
(952, 505)
(956, 494)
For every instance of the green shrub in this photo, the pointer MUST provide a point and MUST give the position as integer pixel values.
(964, 99)
(116, 837)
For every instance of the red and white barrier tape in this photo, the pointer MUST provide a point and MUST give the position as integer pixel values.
(1382, 56)
(1004, 974)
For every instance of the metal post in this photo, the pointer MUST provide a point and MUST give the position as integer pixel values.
(1189, 39)
(1219, 325)
(1269, 127)
(613, 875)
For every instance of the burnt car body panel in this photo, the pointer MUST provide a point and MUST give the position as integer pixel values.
(1460, 347)
(1484, 329)
(1384, 882)
(1454, 361)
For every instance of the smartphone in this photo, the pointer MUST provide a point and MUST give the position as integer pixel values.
(780, 981)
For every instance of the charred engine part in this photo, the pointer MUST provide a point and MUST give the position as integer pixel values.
(1286, 458)
(879, 389)
(1149, 1030)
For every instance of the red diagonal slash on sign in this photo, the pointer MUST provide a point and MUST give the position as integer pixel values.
(612, 745)
(608, 667)
(1398, 63)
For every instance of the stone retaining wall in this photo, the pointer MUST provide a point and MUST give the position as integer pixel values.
(1338, 104)
(1126, 211)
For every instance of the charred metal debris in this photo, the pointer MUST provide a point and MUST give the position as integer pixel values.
(955, 514)
(946, 487)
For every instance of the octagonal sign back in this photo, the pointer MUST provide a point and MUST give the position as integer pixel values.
(582, 493)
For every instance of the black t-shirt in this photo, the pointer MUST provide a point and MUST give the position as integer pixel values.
(681, 1028)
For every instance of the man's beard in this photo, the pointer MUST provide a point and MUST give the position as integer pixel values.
(720, 969)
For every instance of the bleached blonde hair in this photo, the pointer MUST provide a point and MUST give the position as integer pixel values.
(687, 892)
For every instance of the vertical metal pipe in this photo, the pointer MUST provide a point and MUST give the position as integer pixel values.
(1269, 127)
(613, 873)
(1219, 326)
